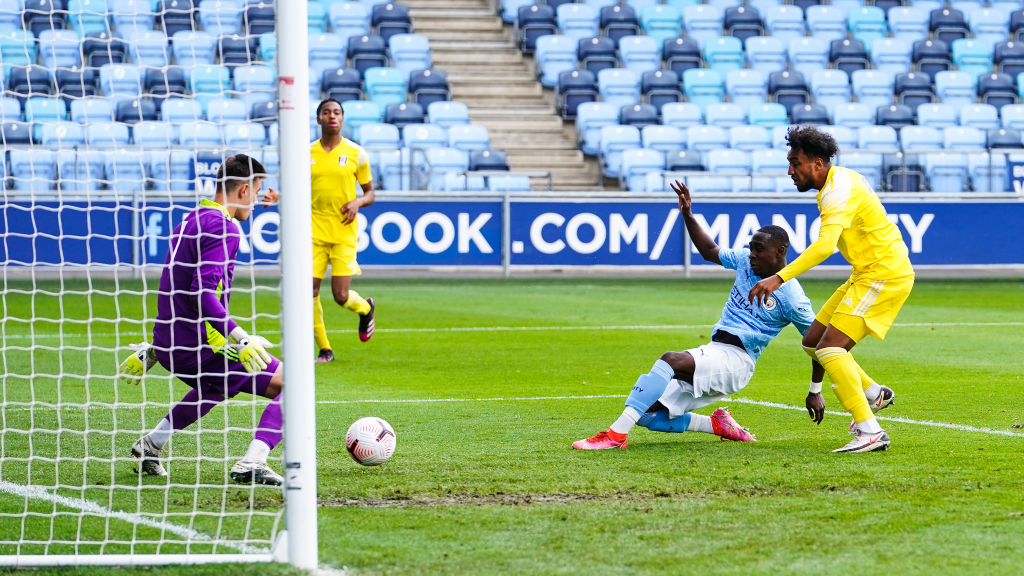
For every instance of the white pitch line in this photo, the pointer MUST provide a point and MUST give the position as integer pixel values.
(39, 493)
(429, 400)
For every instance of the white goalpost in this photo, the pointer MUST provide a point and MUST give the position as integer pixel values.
(92, 195)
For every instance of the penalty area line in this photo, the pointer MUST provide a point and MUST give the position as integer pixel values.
(190, 534)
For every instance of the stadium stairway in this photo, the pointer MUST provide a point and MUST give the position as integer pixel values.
(489, 74)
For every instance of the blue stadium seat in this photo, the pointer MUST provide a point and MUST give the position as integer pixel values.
(660, 87)
(210, 82)
(618, 21)
(681, 54)
(259, 18)
(703, 138)
(743, 22)
(171, 171)
(830, 88)
(928, 5)
(619, 86)
(788, 88)
(890, 55)
(31, 80)
(395, 167)
(488, 160)
(1012, 117)
(848, 55)
(768, 161)
(554, 55)
(684, 161)
(87, 173)
(853, 114)
(391, 18)
(876, 137)
(17, 48)
(10, 109)
(200, 135)
(60, 48)
(947, 25)
(44, 15)
(10, 16)
(148, 48)
(446, 114)
(590, 119)
(638, 115)
(808, 55)
(410, 52)
(661, 22)
(103, 48)
(765, 54)
(326, 52)
(725, 115)
(126, 170)
(255, 83)
(385, 86)
(987, 171)
(668, 139)
(955, 88)
(615, 140)
(134, 111)
(908, 23)
(598, 53)
(973, 56)
(913, 89)
(767, 115)
(220, 17)
(981, 116)
(867, 164)
(746, 87)
(873, 88)
(224, 110)
(175, 16)
(238, 50)
(936, 115)
(33, 170)
(963, 138)
(742, 137)
(725, 160)
(997, 89)
(113, 135)
(897, 116)
(58, 135)
(349, 19)
(703, 21)
(920, 137)
(577, 21)
(809, 114)
(424, 136)
(703, 87)
(785, 22)
(192, 48)
(574, 88)
(429, 86)
(947, 172)
(404, 114)
(268, 48)
(510, 9)
(639, 54)
(723, 53)
(358, 113)
(533, 22)
(376, 136)
(342, 84)
(1009, 57)
(989, 25)
(508, 182)
(120, 81)
(154, 134)
(931, 56)
(1003, 138)
(845, 137)
(681, 115)
(826, 23)
(469, 137)
(637, 164)
(366, 52)
(867, 24)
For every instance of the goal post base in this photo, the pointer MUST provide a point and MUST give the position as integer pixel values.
(62, 560)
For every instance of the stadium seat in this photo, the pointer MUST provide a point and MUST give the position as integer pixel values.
(44, 109)
(404, 114)
(358, 113)
(43, 15)
(33, 170)
(255, 83)
(955, 88)
(785, 22)
(441, 161)
(936, 115)
(224, 110)
(532, 23)
(809, 114)
(853, 115)
(972, 56)
(192, 48)
(424, 136)
(890, 55)
(668, 139)
(684, 161)
(554, 55)
(62, 48)
(867, 164)
(703, 21)
(259, 19)
(931, 56)
(245, 135)
(389, 19)
(808, 55)
(349, 19)
(120, 81)
(61, 135)
(765, 54)
(366, 52)
(618, 21)
(221, 17)
(148, 48)
(989, 25)
(597, 53)
(113, 135)
(326, 52)
(638, 115)
(723, 53)
(947, 25)
(876, 137)
(447, 114)
(510, 9)
(175, 16)
(743, 22)
(873, 88)
(725, 115)
(826, 23)
(947, 172)
(997, 89)
(963, 138)
(920, 137)
(908, 23)
(639, 54)
(1012, 117)
(154, 134)
(88, 110)
(126, 170)
(830, 88)
(574, 88)
(681, 115)
(103, 48)
(1009, 57)
(703, 86)
(637, 163)
(703, 138)
(731, 161)
(429, 86)
(660, 87)
(848, 55)
(788, 88)
(982, 116)
(491, 160)
(768, 161)
(210, 82)
(17, 48)
(385, 86)
(618, 86)
(508, 182)
(469, 137)
(410, 52)
(10, 109)
(80, 171)
(867, 24)
(16, 134)
(76, 83)
(577, 21)
(134, 111)
(661, 22)
(913, 89)
(897, 116)
(681, 54)
(746, 87)
(29, 80)
(238, 50)
(1003, 138)
(395, 167)
(742, 137)
(844, 136)
(200, 135)
(767, 115)
(10, 19)
(590, 119)
(987, 171)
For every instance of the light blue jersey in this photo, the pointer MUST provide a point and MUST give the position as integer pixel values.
(755, 325)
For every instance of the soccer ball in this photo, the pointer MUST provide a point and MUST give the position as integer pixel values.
(370, 441)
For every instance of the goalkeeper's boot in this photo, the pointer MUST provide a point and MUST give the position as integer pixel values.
(326, 355)
(602, 441)
(728, 428)
(366, 323)
(885, 399)
(148, 456)
(866, 442)
(255, 473)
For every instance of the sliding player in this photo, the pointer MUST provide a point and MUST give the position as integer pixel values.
(190, 337)
(681, 382)
(852, 219)
(337, 166)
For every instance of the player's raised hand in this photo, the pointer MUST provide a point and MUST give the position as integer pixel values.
(349, 211)
(685, 205)
(815, 406)
(270, 197)
(762, 290)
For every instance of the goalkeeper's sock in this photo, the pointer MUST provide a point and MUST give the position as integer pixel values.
(268, 431)
(258, 452)
(161, 435)
(846, 381)
(356, 303)
(319, 328)
(191, 408)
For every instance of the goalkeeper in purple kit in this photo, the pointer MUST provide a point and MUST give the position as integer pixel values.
(195, 338)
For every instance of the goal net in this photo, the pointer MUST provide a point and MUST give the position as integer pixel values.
(117, 116)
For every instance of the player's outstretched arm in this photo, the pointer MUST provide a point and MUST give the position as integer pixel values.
(705, 245)
(815, 254)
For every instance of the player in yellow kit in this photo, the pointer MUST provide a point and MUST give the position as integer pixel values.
(852, 219)
(338, 166)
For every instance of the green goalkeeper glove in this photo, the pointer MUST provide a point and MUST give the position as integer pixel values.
(252, 353)
(143, 358)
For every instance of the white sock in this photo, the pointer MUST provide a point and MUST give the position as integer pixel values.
(161, 434)
(258, 452)
(870, 426)
(626, 422)
(872, 392)
(700, 423)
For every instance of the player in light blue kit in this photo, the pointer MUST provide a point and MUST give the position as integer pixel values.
(681, 382)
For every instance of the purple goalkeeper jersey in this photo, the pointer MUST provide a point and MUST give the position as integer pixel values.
(195, 285)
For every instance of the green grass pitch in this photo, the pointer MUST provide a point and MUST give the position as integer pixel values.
(488, 484)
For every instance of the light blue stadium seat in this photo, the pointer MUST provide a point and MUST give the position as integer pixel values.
(359, 112)
(682, 115)
(244, 135)
(44, 109)
(867, 24)
(33, 170)
(380, 137)
(639, 5)
(326, 52)
(509, 9)
(111, 135)
(469, 137)
(423, 136)
(195, 48)
(891, 55)
(725, 115)
(131, 15)
(636, 164)
(703, 86)
(873, 88)
(955, 88)
(148, 48)
(920, 137)
(867, 164)
(725, 160)
(126, 170)
(181, 110)
(60, 48)
(830, 88)
(395, 168)
(709, 183)
(614, 140)
(154, 134)
(987, 172)
(268, 48)
(256, 83)
(507, 182)
(554, 54)
(963, 138)
(664, 138)
(272, 163)
(845, 137)
(385, 86)
(966, 6)
(723, 53)
(17, 48)
(1012, 116)
(808, 55)
(316, 18)
(10, 16)
(704, 138)
(210, 82)
(172, 171)
(349, 19)
(120, 82)
(88, 16)
(454, 182)
(946, 171)
(221, 17)
(87, 173)
(989, 25)
(928, 5)
(746, 88)
(764, 5)
(447, 114)
(61, 135)
(876, 137)
(826, 23)
(200, 135)
(749, 137)
(639, 54)
(908, 23)
(409, 52)
(577, 21)
(785, 22)
(972, 56)
(590, 119)
(703, 21)
(768, 161)
(765, 54)
(768, 115)
(618, 86)
(10, 109)
(661, 22)
(779, 136)
(442, 161)
(983, 116)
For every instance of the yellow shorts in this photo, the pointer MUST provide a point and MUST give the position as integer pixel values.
(863, 306)
(342, 258)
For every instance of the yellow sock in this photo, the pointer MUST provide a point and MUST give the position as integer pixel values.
(846, 382)
(319, 328)
(356, 303)
(865, 380)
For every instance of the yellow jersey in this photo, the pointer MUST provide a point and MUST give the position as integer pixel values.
(336, 176)
(869, 241)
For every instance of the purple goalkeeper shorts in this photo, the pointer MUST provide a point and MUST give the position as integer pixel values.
(215, 373)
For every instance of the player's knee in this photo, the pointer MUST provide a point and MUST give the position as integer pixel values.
(341, 297)
(673, 359)
(809, 341)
